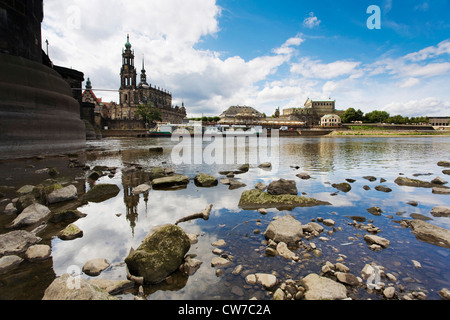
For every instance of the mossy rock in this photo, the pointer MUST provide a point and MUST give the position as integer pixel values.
(67, 215)
(205, 180)
(160, 254)
(71, 232)
(403, 181)
(171, 182)
(256, 199)
(101, 192)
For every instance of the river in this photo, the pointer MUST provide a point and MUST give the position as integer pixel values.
(111, 228)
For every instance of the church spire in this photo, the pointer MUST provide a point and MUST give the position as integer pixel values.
(143, 73)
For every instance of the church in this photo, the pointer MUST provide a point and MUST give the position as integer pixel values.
(132, 94)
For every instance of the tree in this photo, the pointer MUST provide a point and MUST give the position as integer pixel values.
(351, 115)
(376, 117)
(149, 114)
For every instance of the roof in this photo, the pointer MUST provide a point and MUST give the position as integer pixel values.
(328, 116)
(235, 110)
(98, 100)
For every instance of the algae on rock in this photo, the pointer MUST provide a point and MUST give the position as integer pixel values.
(256, 199)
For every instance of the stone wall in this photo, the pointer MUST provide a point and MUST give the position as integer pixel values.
(38, 114)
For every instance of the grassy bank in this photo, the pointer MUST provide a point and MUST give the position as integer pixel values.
(370, 131)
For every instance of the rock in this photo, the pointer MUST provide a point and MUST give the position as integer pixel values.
(284, 251)
(190, 266)
(205, 180)
(419, 216)
(10, 209)
(350, 180)
(143, 188)
(9, 263)
(236, 184)
(101, 192)
(95, 175)
(171, 182)
(94, 267)
(445, 294)
(260, 186)
(444, 163)
(441, 190)
(279, 295)
(219, 243)
(403, 181)
(347, 278)
(447, 172)
(160, 254)
(67, 215)
(31, 215)
(373, 239)
(344, 187)
(38, 253)
(283, 187)
(429, 233)
(383, 189)
(416, 264)
(113, 287)
(61, 195)
(25, 190)
(71, 288)
(286, 229)
(268, 281)
(441, 211)
(193, 238)
(304, 176)
(265, 165)
(375, 211)
(370, 178)
(71, 232)
(256, 199)
(389, 292)
(242, 169)
(16, 242)
(329, 222)
(321, 288)
(220, 262)
(413, 203)
(439, 181)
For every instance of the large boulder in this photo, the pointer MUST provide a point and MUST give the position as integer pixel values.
(31, 215)
(286, 229)
(321, 288)
(429, 233)
(257, 199)
(16, 242)
(441, 211)
(283, 186)
(101, 192)
(61, 195)
(71, 288)
(160, 254)
(176, 181)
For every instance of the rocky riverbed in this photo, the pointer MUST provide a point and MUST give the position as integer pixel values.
(277, 254)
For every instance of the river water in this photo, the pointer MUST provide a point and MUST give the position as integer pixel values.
(111, 228)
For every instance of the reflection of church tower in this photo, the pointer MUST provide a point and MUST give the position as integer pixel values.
(127, 75)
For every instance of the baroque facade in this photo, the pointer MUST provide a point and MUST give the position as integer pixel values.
(132, 94)
(313, 111)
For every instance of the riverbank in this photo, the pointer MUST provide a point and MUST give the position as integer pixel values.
(393, 133)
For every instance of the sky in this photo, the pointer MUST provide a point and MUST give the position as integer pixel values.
(213, 54)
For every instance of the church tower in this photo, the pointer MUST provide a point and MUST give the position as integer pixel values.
(127, 75)
(143, 74)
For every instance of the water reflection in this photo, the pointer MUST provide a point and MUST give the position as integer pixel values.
(113, 227)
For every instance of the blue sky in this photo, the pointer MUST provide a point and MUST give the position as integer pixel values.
(266, 54)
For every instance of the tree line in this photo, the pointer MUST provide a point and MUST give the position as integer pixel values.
(351, 115)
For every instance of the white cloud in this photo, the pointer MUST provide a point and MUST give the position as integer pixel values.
(410, 82)
(430, 52)
(430, 106)
(316, 69)
(312, 21)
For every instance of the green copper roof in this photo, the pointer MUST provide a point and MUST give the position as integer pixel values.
(128, 44)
